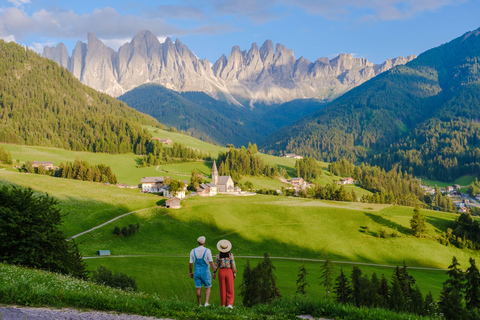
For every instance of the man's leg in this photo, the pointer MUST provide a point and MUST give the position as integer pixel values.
(199, 295)
(207, 295)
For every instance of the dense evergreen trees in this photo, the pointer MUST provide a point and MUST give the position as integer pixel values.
(79, 170)
(42, 104)
(308, 168)
(239, 162)
(30, 233)
(157, 153)
(259, 285)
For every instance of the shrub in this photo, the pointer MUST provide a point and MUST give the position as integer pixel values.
(115, 280)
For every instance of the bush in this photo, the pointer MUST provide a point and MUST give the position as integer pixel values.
(115, 280)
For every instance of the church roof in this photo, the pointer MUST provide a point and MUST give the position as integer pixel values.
(214, 168)
(222, 180)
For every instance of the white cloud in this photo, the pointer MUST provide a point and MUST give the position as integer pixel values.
(38, 47)
(115, 43)
(9, 38)
(18, 3)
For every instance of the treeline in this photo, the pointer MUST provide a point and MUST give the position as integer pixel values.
(5, 156)
(79, 170)
(157, 153)
(239, 162)
(464, 233)
(390, 187)
(42, 104)
(459, 299)
(440, 150)
(308, 168)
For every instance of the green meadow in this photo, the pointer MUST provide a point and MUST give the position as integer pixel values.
(86, 204)
(167, 276)
(289, 229)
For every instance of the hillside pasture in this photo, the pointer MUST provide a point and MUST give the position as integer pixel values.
(86, 204)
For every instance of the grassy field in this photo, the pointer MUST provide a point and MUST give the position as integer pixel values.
(35, 288)
(87, 204)
(463, 181)
(168, 277)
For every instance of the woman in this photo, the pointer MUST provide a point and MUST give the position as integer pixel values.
(225, 265)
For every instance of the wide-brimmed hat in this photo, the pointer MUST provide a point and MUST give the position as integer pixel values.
(224, 245)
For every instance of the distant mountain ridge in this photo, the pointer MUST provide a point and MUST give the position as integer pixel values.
(423, 116)
(264, 75)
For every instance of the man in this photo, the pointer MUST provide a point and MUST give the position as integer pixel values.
(201, 257)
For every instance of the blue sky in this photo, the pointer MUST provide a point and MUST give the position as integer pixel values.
(371, 29)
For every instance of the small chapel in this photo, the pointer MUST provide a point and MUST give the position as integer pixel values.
(223, 183)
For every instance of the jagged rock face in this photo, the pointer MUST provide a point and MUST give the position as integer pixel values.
(277, 76)
(265, 74)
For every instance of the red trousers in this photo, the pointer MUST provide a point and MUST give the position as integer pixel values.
(225, 280)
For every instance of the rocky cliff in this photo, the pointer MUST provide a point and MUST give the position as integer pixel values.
(265, 74)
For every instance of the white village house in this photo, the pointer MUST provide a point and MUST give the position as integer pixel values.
(157, 185)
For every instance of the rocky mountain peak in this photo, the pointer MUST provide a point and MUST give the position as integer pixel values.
(268, 74)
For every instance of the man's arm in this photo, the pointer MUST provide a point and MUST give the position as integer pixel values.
(190, 265)
(213, 268)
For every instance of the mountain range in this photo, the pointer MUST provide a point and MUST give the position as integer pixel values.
(423, 116)
(265, 75)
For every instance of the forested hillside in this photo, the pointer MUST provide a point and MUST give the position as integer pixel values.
(422, 116)
(42, 104)
(216, 120)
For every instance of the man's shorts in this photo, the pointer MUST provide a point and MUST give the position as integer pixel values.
(203, 278)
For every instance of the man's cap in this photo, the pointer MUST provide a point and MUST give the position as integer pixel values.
(201, 240)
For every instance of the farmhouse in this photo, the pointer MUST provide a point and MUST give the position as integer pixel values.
(152, 184)
(448, 189)
(346, 181)
(173, 203)
(180, 193)
(291, 155)
(297, 182)
(48, 165)
(206, 189)
(164, 141)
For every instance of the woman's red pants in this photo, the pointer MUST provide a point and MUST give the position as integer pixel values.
(225, 279)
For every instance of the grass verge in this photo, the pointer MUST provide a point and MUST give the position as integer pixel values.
(28, 287)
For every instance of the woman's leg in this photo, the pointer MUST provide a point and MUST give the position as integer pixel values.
(222, 284)
(229, 286)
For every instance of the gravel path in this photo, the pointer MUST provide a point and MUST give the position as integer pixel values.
(25, 313)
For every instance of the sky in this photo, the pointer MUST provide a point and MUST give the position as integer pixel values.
(371, 29)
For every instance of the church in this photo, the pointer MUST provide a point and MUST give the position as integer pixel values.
(223, 183)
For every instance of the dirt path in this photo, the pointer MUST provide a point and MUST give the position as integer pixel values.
(110, 221)
(27, 313)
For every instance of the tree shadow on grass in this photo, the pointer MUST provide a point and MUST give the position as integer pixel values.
(440, 225)
(388, 223)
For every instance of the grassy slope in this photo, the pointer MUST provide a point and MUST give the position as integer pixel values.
(282, 226)
(168, 276)
(88, 204)
(125, 165)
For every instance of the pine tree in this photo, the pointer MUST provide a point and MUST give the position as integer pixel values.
(472, 286)
(396, 300)
(417, 223)
(302, 281)
(342, 288)
(326, 278)
(247, 288)
(417, 304)
(384, 291)
(430, 306)
(356, 276)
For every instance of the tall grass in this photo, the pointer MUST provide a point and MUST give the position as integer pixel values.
(29, 287)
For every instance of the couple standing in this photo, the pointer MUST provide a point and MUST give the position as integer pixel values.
(201, 258)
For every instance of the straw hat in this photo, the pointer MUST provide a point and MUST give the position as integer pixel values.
(224, 246)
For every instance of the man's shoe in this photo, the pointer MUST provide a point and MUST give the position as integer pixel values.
(207, 304)
(230, 306)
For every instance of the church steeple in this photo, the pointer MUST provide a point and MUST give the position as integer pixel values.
(214, 173)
